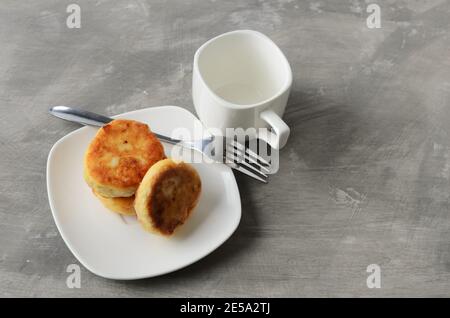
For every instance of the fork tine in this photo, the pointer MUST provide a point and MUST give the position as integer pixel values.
(243, 156)
(236, 166)
(250, 153)
(247, 166)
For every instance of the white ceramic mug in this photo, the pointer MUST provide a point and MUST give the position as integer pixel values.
(241, 79)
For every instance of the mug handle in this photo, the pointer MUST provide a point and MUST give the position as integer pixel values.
(279, 137)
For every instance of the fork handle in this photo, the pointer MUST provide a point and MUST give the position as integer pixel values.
(79, 116)
(87, 118)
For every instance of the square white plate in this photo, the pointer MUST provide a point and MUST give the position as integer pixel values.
(116, 247)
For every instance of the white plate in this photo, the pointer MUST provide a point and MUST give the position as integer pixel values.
(117, 247)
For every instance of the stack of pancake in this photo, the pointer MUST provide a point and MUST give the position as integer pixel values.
(126, 168)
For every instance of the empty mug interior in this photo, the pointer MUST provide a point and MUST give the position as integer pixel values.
(243, 68)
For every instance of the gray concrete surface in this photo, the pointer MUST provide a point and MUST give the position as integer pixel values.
(364, 179)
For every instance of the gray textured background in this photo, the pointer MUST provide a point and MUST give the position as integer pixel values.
(364, 179)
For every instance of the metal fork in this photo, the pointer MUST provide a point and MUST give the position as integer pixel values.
(218, 148)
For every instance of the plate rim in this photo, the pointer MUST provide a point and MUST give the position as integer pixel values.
(74, 251)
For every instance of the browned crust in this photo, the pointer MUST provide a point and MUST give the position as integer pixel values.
(119, 156)
(167, 196)
(121, 205)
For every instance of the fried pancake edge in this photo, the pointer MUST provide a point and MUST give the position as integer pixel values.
(120, 205)
(145, 195)
(133, 148)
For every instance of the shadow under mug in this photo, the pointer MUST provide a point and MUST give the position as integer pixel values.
(241, 79)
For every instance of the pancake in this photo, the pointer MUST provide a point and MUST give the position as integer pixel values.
(166, 196)
(119, 205)
(119, 156)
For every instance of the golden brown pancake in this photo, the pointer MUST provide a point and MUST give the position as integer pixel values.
(166, 196)
(119, 205)
(119, 156)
